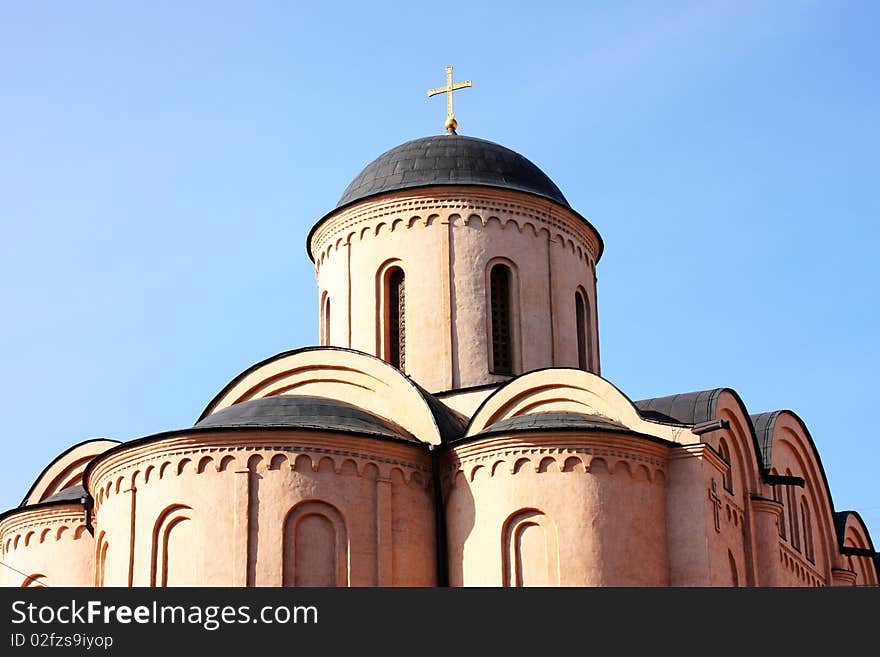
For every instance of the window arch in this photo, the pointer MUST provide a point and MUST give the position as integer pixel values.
(582, 315)
(807, 524)
(734, 574)
(500, 319)
(779, 497)
(325, 320)
(724, 450)
(393, 315)
(794, 525)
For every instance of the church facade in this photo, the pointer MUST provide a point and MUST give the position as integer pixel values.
(451, 428)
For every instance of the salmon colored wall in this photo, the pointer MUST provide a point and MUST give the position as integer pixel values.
(594, 509)
(445, 240)
(466, 402)
(51, 541)
(246, 509)
(595, 505)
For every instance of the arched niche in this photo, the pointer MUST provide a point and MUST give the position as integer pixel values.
(335, 373)
(530, 551)
(66, 470)
(315, 546)
(170, 538)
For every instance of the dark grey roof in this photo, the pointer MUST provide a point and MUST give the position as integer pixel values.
(686, 408)
(59, 458)
(450, 425)
(764, 425)
(71, 494)
(692, 408)
(304, 412)
(450, 160)
(553, 421)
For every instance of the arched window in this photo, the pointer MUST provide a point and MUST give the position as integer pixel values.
(794, 525)
(778, 497)
(395, 317)
(580, 309)
(728, 473)
(325, 321)
(734, 575)
(808, 529)
(500, 302)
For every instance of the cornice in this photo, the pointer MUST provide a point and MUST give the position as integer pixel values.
(764, 505)
(632, 447)
(702, 451)
(391, 453)
(411, 207)
(37, 516)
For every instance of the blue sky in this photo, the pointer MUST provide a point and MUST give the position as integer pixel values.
(164, 162)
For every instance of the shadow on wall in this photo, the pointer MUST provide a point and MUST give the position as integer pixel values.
(458, 503)
(253, 517)
(518, 547)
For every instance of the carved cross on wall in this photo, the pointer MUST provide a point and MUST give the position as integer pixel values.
(716, 505)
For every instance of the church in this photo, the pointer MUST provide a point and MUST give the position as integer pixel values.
(451, 428)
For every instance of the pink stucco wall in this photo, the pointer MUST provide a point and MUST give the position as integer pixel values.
(597, 503)
(47, 545)
(446, 241)
(247, 510)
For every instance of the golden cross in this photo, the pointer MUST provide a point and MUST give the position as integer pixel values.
(451, 123)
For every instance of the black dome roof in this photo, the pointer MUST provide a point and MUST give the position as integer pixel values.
(450, 160)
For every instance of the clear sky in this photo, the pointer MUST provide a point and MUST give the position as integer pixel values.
(163, 162)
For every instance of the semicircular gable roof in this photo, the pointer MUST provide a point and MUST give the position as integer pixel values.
(840, 521)
(439, 423)
(66, 469)
(765, 427)
(693, 408)
(571, 390)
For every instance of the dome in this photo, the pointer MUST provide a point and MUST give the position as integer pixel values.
(450, 160)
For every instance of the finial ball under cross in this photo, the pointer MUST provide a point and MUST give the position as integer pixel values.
(451, 123)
